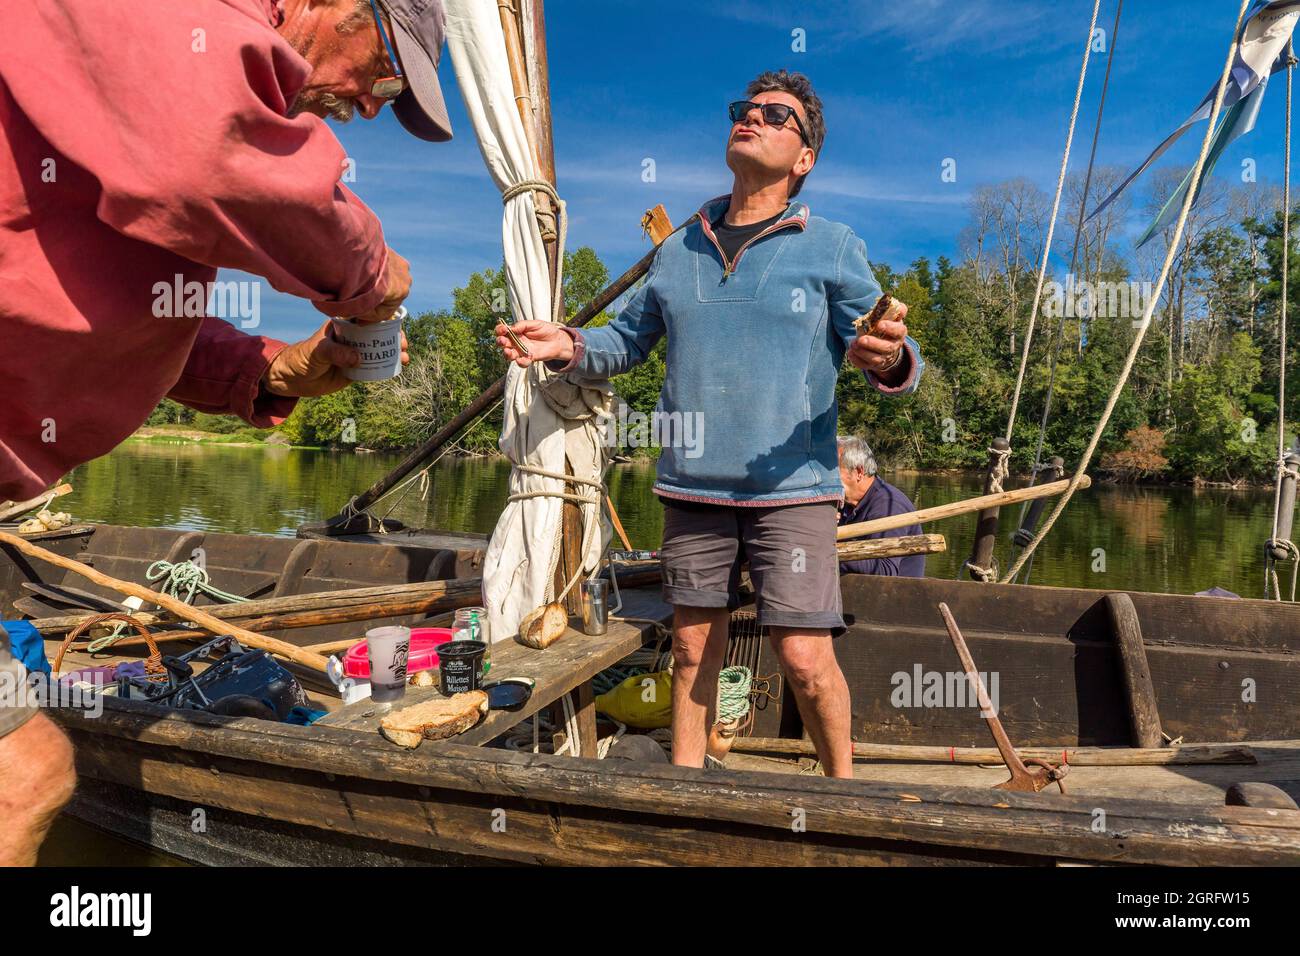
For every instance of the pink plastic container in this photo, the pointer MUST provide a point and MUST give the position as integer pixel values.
(423, 654)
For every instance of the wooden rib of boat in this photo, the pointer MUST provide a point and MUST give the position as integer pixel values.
(1223, 670)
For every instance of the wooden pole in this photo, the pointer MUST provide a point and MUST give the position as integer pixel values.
(857, 550)
(177, 607)
(1188, 754)
(937, 513)
(980, 564)
(11, 509)
(435, 595)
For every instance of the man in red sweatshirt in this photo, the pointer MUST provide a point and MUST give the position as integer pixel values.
(144, 146)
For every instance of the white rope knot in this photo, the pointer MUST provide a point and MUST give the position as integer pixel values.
(983, 575)
(1000, 471)
(546, 218)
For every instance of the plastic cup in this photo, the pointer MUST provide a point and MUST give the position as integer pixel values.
(388, 648)
(460, 665)
(380, 345)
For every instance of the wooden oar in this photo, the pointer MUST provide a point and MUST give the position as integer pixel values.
(1077, 756)
(893, 522)
(179, 608)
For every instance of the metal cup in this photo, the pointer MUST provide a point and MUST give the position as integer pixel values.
(595, 607)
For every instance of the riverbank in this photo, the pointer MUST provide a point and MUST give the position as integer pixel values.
(270, 438)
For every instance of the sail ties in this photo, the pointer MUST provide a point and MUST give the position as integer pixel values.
(552, 224)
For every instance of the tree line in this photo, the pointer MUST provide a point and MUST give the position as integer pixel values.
(1200, 405)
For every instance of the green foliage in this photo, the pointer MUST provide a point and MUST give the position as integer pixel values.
(1200, 403)
(170, 412)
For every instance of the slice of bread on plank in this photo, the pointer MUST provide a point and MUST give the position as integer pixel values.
(434, 719)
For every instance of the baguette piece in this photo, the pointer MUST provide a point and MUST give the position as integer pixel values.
(434, 719)
(886, 307)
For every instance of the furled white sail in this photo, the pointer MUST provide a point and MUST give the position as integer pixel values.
(547, 418)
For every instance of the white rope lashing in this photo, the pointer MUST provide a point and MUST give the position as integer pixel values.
(1131, 358)
(560, 231)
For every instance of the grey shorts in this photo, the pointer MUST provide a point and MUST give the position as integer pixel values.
(793, 563)
(11, 676)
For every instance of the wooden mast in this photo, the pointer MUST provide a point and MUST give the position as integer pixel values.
(524, 26)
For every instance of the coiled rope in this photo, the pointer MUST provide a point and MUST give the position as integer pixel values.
(182, 580)
(1131, 358)
(734, 684)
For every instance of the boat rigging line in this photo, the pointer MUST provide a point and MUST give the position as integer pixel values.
(1279, 546)
(1026, 529)
(1145, 324)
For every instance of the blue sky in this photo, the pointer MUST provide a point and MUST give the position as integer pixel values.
(906, 85)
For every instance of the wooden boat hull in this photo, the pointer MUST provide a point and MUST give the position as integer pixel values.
(223, 790)
(296, 795)
(1223, 669)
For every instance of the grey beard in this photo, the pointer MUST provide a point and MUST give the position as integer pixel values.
(338, 108)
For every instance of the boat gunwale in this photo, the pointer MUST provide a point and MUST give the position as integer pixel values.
(1138, 830)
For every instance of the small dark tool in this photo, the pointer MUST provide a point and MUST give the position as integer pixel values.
(1022, 777)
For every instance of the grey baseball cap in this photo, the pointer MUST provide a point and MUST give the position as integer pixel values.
(419, 28)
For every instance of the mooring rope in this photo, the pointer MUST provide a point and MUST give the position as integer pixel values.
(1131, 358)
(1283, 469)
(1051, 222)
(734, 685)
(182, 580)
(1074, 259)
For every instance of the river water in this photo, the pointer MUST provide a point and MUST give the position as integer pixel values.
(1178, 540)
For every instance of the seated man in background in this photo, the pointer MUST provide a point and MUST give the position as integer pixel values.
(866, 497)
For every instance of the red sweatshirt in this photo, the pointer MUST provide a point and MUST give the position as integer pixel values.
(141, 141)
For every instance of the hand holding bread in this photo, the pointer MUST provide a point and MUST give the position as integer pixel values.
(879, 345)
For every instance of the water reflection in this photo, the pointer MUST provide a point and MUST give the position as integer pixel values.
(1147, 539)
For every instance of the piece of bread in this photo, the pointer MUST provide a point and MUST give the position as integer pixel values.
(434, 719)
(886, 307)
(543, 627)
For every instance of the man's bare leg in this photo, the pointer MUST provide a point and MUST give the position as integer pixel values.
(809, 664)
(699, 648)
(36, 780)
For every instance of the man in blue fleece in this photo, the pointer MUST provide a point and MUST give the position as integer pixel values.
(757, 299)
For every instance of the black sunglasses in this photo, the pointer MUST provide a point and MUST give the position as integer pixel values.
(774, 114)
